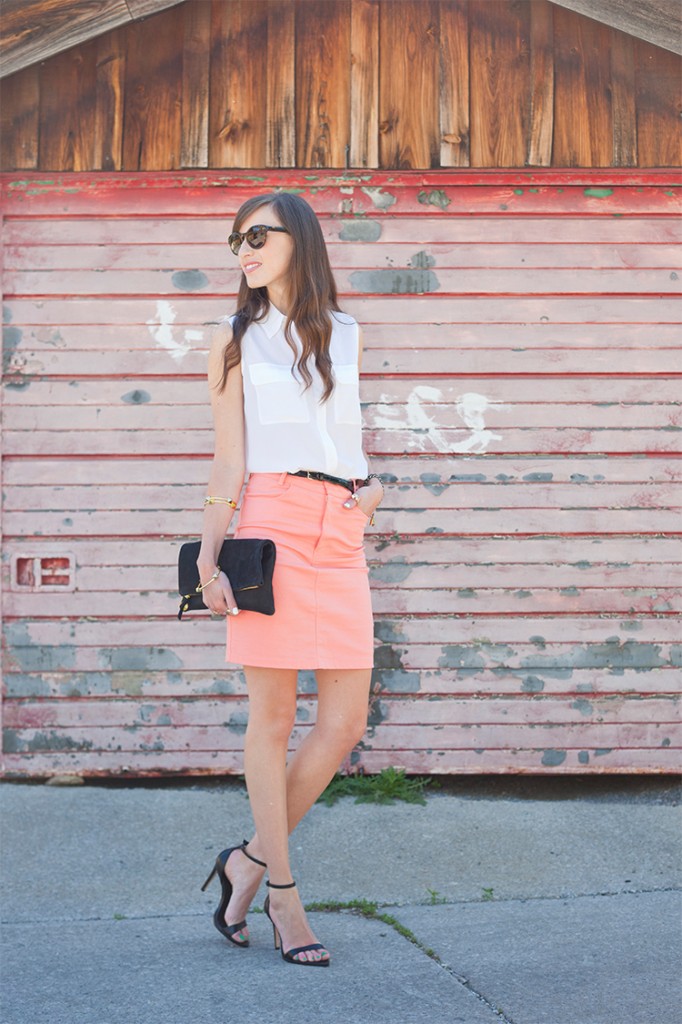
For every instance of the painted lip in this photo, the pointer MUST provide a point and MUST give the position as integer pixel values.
(249, 267)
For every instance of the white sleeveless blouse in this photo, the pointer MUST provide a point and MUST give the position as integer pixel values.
(287, 427)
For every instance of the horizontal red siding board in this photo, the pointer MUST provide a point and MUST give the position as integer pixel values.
(500, 337)
(494, 681)
(447, 281)
(612, 637)
(438, 494)
(210, 714)
(520, 392)
(537, 760)
(328, 192)
(207, 234)
(580, 470)
(33, 259)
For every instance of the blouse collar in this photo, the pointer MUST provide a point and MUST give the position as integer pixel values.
(272, 321)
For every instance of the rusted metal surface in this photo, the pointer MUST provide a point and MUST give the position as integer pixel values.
(520, 391)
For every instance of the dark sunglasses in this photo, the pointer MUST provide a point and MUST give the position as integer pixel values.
(255, 236)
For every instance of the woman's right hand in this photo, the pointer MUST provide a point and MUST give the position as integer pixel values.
(218, 596)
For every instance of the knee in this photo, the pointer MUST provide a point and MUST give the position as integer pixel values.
(356, 730)
(274, 725)
(344, 733)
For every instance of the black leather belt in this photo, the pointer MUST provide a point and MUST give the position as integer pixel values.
(314, 475)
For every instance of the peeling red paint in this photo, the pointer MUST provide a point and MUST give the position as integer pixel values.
(525, 564)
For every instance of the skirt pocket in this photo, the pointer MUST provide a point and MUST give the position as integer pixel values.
(267, 485)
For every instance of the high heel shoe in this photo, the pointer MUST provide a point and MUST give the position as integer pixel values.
(290, 954)
(228, 930)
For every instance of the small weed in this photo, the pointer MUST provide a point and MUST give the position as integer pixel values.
(487, 894)
(364, 907)
(389, 785)
(435, 897)
(370, 910)
(119, 917)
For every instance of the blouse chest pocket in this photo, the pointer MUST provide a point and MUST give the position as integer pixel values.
(346, 395)
(279, 396)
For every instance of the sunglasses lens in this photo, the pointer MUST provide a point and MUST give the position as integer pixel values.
(256, 236)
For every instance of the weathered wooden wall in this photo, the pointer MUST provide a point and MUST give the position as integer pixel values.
(521, 390)
(348, 83)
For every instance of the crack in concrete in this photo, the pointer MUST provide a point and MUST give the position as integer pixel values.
(352, 910)
(501, 1015)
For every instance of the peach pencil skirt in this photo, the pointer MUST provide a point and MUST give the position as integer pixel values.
(323, 612)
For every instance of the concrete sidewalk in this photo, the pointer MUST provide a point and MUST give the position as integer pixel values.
(530, 903)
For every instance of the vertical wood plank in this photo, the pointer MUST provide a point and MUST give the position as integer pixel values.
(322, 83)
(454, 84)
(623, 100)
(67, 110)
(541, 84)
(19, 120)
(364, 84)
(152, 116)
(583, 127)
(110, 91)
(280, 142)
(237, 84)
(500, 83)
(408, 76)
(659, 106)
(195, 65)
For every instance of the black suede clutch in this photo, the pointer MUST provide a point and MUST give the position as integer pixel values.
(248, 565)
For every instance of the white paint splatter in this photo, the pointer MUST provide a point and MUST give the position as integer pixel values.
(470, 408)
(423, 426)
(161, 330)
(425, 432)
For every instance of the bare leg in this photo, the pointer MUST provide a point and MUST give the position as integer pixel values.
(341, 722)
(272, 712)
(343, 697)
(271, 720)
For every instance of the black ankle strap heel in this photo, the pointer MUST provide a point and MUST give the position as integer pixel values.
(291, 954)
(228, 930)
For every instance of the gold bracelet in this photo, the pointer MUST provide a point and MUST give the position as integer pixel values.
(202, 586)
(211, 500)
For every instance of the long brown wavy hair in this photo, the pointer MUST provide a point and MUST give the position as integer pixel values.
(312, 290)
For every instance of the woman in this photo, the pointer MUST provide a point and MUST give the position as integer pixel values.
(283, 374)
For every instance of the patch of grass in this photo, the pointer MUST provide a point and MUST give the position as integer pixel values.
(389, 785)
(435, 897)
(487, 894)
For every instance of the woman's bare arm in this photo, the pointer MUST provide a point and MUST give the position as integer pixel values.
(371, 495)
(228, 468)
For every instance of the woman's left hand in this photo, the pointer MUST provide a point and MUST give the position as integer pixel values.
(368, 498)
